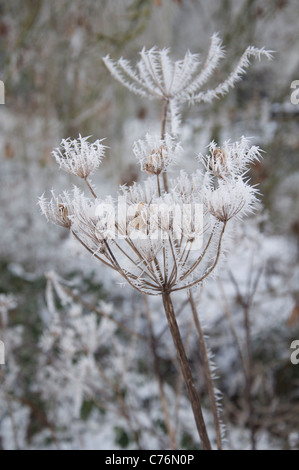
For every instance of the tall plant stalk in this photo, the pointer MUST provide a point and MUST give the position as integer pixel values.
(176, 336)
(207, 371)
(186, 371)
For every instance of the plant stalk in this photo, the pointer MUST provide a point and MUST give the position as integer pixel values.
(186, 371)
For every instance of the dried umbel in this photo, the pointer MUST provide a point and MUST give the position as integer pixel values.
(79, 156)
(7, 302)
(162, 237)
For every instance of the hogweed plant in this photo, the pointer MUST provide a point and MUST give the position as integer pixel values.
(164, 235)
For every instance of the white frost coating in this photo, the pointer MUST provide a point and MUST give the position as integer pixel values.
(79, 156)
(156, 75)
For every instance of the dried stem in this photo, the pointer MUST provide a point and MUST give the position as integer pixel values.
(207, 370)
(186, 371)
(143, 270)
(40, 417)
(164, 119)
(163, 132)
(153, 342)
(159, 187)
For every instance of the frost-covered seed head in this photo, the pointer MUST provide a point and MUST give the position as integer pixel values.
(155, 154)
(79, 157)
(156, 75)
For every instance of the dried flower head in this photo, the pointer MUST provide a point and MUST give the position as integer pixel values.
(7, 302)
(181, 81)
(231, 159)
(79, 157)
(155, 154)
